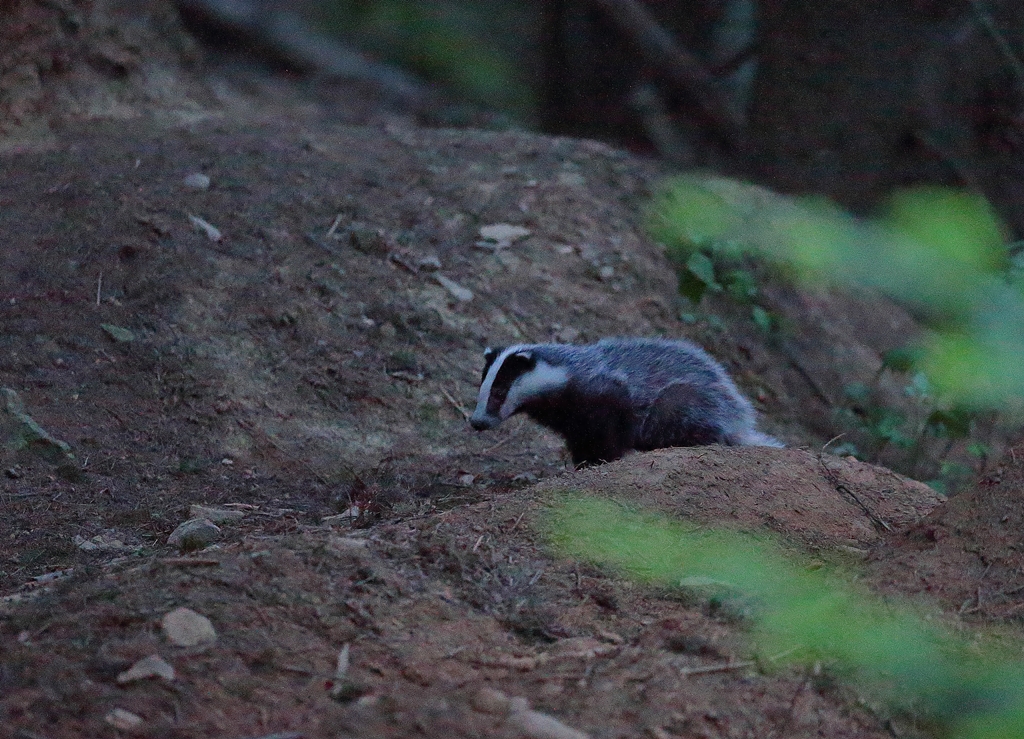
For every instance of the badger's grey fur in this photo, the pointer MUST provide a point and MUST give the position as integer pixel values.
(616, 395)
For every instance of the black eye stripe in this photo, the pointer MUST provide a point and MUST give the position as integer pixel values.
(489, 356)
(514, 367)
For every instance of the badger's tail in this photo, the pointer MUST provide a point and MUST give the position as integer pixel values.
(755, 438)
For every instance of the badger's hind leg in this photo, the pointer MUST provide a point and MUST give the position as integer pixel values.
(686, 415)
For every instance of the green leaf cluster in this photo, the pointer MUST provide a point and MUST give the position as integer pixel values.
(941, 251)
(810, 615)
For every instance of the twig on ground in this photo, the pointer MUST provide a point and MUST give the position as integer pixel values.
(846, 492)
(720, 667)
(455, 404)
(334, 226)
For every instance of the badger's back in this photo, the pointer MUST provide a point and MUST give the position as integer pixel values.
(621, 394)
(651, 365)
(680, 395)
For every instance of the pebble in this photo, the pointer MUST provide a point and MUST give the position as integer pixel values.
(184, 627)
(124, 720)
(101, 543)
(501, 235)
(152, 666)
(197, 181)
(456, 290)
(193, 534)
(429, 263)
(528, 722)
(537, 725)
(490, 700)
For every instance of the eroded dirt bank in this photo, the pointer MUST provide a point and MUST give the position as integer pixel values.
(295, 342)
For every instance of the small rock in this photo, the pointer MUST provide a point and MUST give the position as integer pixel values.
(567, 334)
(490, 700)
(529, 477)
(193, 534)
(571, 179)
(606, 272)
(19, 431)
(117, 333)
(537, 725)
(466, 480)
(456, 290)
(184, 627)
(197, 181)
(346, 543)
(371, 241)
(152, 666)
(100, 543)
(429, 263)
(501, 235)
(215, 515)
(212, 232)
(124, 720)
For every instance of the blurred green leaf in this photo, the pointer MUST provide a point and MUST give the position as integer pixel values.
(762, 318)
(959, 227)
(954, 423)
(685, 215)
(939, 250)
(903, 359)
(808, 615)
(740, 285)
(698, 277)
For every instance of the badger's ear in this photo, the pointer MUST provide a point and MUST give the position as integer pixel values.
(521, 361)
(490, 354)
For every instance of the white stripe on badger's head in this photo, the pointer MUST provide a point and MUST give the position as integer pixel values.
(511, 378)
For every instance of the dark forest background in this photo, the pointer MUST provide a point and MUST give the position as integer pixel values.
(846, 98)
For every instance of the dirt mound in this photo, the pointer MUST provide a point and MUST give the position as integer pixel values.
(297, 333)
(969, 554)
(820, 501)
(436, 613)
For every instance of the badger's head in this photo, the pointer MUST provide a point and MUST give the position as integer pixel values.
(513, 377)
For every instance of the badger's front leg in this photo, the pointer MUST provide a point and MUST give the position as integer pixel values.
(603, 427)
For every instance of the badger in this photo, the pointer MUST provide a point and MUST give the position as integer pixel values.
(607, 398)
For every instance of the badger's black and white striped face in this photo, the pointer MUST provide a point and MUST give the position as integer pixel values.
(512, 377)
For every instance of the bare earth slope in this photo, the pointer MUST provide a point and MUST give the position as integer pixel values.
(263, 369)
(296, 344)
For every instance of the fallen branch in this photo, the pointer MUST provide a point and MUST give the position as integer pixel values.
(720, 667)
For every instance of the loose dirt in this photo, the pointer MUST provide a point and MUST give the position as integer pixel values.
(305, 369)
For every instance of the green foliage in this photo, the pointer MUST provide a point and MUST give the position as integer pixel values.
(938, 250)
(809, 615)
(928, 417)
(697, 276)
(696, 224)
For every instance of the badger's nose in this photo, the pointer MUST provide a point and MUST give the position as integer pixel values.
(481, 423)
